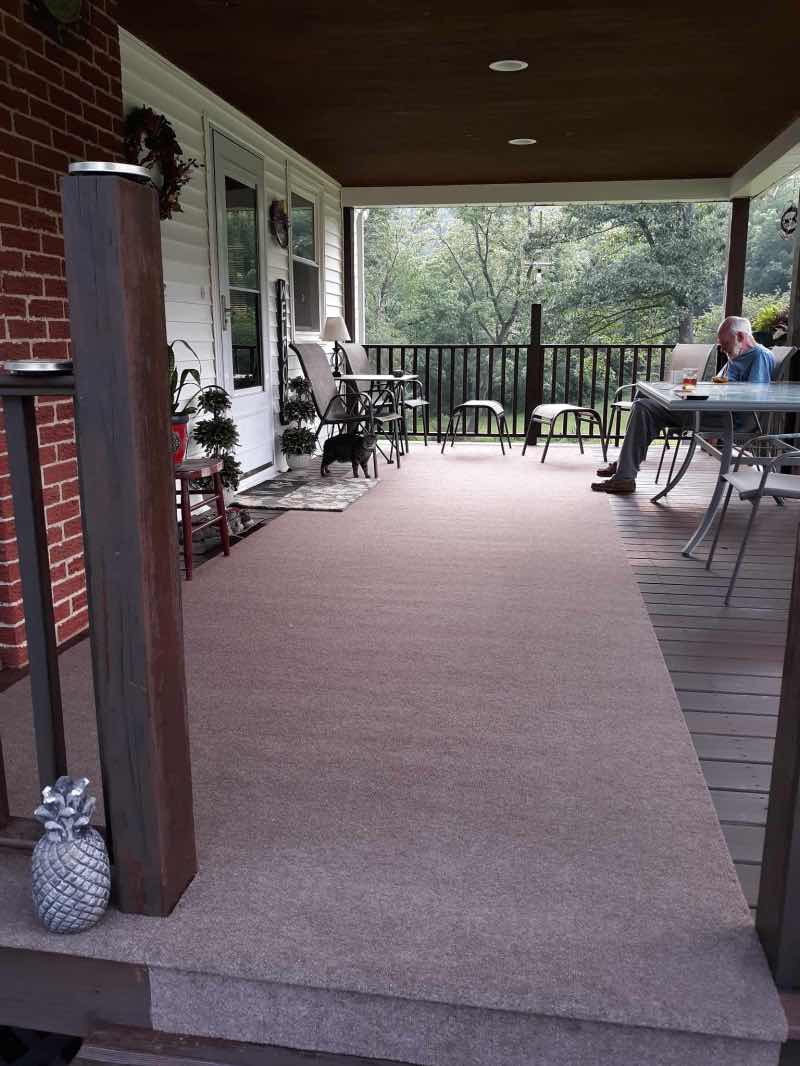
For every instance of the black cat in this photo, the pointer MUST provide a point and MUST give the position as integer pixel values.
(355, 448)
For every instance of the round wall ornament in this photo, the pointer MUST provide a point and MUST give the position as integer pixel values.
(150, 142)
(279, 222)
(788, 222)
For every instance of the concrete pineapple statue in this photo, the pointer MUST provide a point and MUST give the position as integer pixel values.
(71, 873)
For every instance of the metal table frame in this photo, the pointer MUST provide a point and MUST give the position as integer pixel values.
(740, 397)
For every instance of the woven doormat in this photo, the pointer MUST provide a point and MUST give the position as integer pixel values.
(295, 492)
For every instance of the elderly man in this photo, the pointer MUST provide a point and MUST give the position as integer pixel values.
(747, 361)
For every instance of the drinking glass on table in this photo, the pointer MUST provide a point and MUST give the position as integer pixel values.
(689, 380)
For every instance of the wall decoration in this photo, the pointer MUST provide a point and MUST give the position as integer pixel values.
(59, 19)
(788, 222)
(283, 347)
(279, 222)
(150, 141)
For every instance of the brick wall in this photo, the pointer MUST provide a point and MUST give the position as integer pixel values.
(58, 103)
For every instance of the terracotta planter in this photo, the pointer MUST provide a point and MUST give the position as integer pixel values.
(180, 438)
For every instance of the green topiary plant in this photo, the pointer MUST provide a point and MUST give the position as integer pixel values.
(218, 435)
(298, 438)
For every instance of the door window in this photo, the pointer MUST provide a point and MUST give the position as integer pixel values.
(244, 311)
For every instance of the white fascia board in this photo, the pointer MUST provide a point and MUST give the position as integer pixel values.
(567, 192)
(779, 158)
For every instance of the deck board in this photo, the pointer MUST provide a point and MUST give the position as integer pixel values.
(725, 662)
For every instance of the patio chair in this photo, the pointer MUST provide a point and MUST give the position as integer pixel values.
(358, 363)
(752, 485)
(331, 407)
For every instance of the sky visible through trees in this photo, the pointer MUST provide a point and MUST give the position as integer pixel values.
(604, 273)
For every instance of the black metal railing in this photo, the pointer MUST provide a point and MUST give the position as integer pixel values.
(521, 376)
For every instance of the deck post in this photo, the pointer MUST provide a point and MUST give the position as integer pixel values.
(37, 596)
(793, 330)
(534, 374)
(778, 913)
(737, 252)
(349, 269)
(116, 299)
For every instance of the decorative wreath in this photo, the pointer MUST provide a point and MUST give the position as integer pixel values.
(149, 141)
(788, 222)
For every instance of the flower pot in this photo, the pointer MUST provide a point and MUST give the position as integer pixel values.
(764, 336)
(300, 462)
(180, 438)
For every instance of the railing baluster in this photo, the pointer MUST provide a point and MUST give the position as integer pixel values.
(464, 385)
(452, 379)
(515, 392)
(553, 374)
(620, 381)
(490, 386)
(475, 426)
(503, 365)
(567, 372)
(581, 354)
(415, 368)
(605, 389)
(438, 396)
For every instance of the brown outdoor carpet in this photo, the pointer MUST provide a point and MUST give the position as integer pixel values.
(448, 809)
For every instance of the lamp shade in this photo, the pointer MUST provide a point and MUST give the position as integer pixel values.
(335, 329)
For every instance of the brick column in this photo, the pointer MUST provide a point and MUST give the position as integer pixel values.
(58, 103)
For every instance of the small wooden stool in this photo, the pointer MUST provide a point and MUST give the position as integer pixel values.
(492, 407)
(193, 470)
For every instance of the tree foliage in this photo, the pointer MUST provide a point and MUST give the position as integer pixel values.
(604, 273)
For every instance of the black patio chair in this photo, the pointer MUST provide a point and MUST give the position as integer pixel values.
(358, 363)
(332, 409)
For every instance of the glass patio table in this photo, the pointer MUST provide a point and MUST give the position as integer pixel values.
(724, 400)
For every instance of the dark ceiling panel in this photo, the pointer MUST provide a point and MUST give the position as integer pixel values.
(401, 94)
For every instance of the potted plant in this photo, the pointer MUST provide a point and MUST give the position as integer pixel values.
(217, 435)
(770, 323)
(299, 443)
(181, 408)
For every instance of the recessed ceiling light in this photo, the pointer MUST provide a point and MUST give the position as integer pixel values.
(522, 140)
(506, 65)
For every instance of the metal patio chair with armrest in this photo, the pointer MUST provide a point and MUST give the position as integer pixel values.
(358, 362)
(753, 484)
(681, 357)
(331, 407)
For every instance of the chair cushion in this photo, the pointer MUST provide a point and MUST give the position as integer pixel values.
(549, 411)
(415, 403)
(748, 480)
(622, 405)
(492, 405)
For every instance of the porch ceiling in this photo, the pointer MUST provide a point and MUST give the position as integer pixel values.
(401, 94)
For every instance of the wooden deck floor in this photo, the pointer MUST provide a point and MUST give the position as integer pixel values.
(725, 662)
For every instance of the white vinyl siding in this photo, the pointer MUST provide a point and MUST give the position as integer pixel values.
(150, 80)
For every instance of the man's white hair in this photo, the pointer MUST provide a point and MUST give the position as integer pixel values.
(736, 324)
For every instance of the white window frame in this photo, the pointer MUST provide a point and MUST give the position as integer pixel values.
(315, 197)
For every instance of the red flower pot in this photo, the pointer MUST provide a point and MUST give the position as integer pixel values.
(180, 438)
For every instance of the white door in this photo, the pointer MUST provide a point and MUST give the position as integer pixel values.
(244, 365)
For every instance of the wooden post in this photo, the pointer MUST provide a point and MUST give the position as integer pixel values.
(34, 565)
(534, 375)
(737, 252)
(116, 300)
(778, 913)
(793, 331)
(349, 269)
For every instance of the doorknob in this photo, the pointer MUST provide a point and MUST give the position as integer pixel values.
(226, 313)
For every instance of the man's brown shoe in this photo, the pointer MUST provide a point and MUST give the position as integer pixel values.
(608, 470)
(621, 485)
